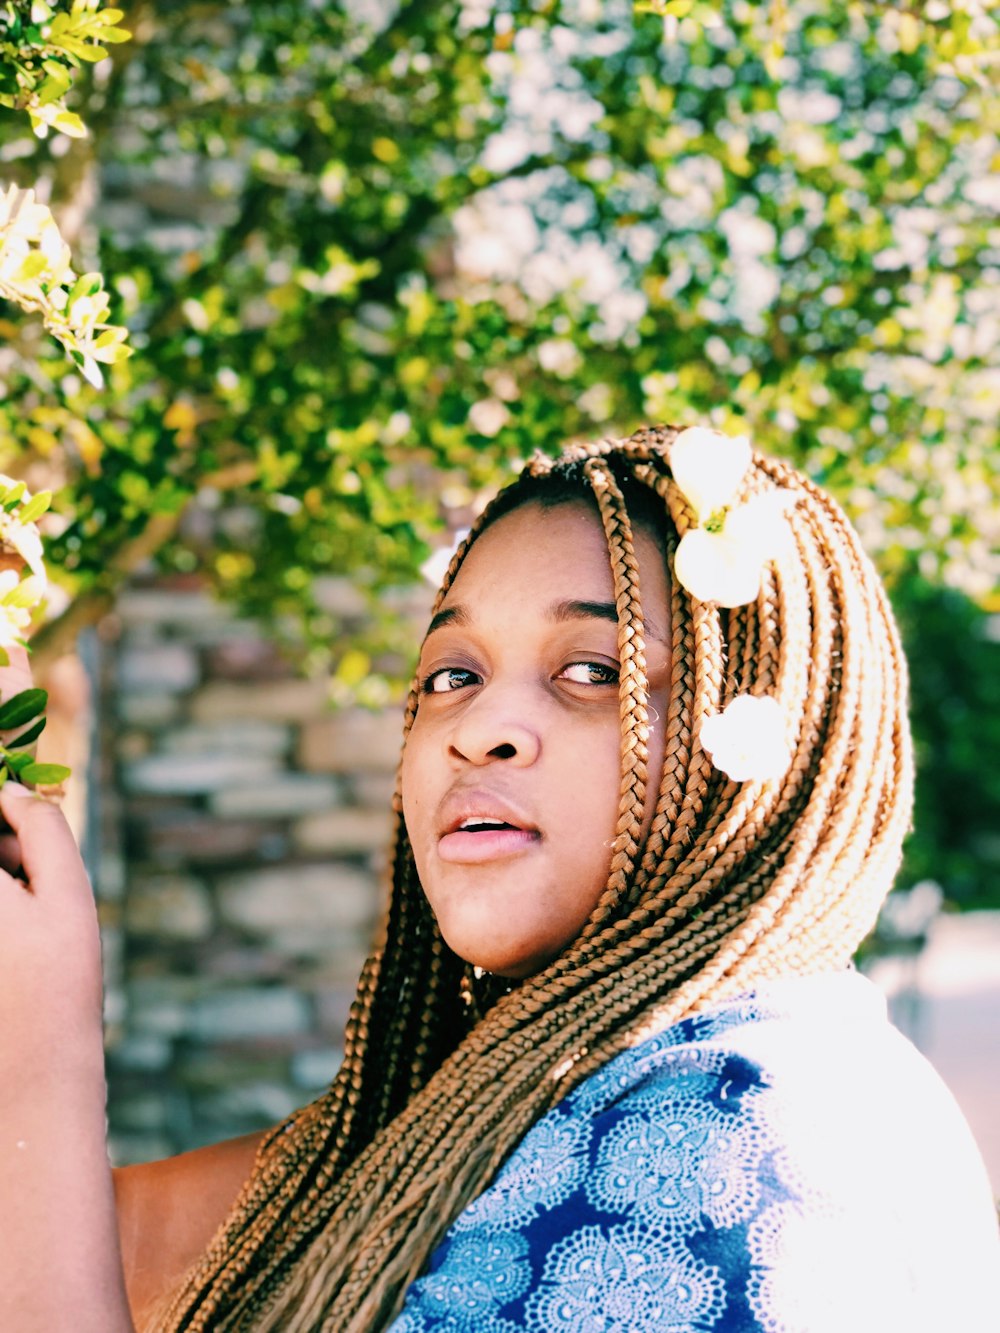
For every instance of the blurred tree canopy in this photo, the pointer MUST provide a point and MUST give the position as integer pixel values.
(372, 252)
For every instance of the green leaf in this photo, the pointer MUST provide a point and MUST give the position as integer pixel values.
(44, 775)
(12, 497)
(35, 507)
(31, 735)
(21, 708)
(17, 763)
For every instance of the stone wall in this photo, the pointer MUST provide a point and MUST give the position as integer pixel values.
(245, 836)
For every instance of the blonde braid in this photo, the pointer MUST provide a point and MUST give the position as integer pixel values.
(735, 884)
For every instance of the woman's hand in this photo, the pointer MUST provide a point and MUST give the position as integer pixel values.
(50, 958)
(60, 1267)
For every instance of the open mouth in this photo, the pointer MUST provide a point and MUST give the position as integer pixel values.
(478, 839)
(484, 826)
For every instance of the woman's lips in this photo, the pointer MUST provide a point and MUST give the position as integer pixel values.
(464, 847)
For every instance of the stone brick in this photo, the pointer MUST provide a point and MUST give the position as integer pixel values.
(352, 741)
(143, 1052)
(281, 701)
(374, 790)
(280, 795)
(197, 774)
(163, 667)
(142, 1112)
(127, 1149)
(269, 739)
(167, 606)
(333, 1005)
(246, 1013)
(148, 710)
(202, 840)
(309, 910)
(160, 1005)
(312, 1071)
(259, 1102)
(344, 830)
(248, 658)
(133, 745)
(169, 907)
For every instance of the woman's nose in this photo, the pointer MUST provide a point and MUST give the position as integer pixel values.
(490, 730)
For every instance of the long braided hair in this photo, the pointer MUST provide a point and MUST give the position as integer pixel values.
(734, 884)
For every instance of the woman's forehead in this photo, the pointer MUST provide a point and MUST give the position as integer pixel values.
(552, 555)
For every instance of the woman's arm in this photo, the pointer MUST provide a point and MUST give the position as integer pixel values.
(168, 1212)
(60, 1265)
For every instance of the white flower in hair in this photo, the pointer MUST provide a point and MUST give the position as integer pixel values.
(709, 467)
(722, 559)
(746, 741)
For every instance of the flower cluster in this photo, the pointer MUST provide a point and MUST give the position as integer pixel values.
(721, 560)
(20, 593)
(36, 273)
(20, 547)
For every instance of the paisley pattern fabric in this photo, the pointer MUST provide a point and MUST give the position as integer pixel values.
(744, 1171)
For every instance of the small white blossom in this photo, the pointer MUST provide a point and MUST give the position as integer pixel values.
(725, 566)
(709, 467)
(488, 417)
(722, 559)
(746, 741)
(14, 618)
(24, 539)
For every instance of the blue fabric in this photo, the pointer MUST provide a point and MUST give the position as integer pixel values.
(785, 1161)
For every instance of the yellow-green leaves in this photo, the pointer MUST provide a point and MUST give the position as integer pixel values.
(39, 51)
(36, 273)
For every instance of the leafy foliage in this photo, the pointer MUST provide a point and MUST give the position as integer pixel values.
(41, 46)
(371, 254)
(19, 763)
(36, 273)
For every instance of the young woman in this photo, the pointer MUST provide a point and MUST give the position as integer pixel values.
(608, 1067)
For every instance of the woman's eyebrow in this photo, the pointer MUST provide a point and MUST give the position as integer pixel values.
(577, 610)
(572, 609)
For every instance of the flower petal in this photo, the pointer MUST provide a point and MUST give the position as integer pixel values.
(714, 568)
(746, 741)
(759, 524)
(709, 467)
(28, 544)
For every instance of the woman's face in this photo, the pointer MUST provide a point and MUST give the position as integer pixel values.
(511, 771)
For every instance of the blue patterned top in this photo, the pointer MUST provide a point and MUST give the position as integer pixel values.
(782, 1162)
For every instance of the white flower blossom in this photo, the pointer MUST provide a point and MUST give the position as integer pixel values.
(721, 560)
(709, 467)
(746, 741)
(18, 536)
(14, 617)
(725, 565)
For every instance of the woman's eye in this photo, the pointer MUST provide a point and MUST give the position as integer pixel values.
(590, 673)
(446, 680)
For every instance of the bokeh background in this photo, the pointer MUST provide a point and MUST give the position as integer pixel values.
(370, 255)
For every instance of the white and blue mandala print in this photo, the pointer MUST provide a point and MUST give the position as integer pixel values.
(539, 1175)
(621, 1210)
(690, 1186)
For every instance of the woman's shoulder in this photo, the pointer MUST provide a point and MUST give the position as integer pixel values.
(735, 1170)
(168, 1212)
